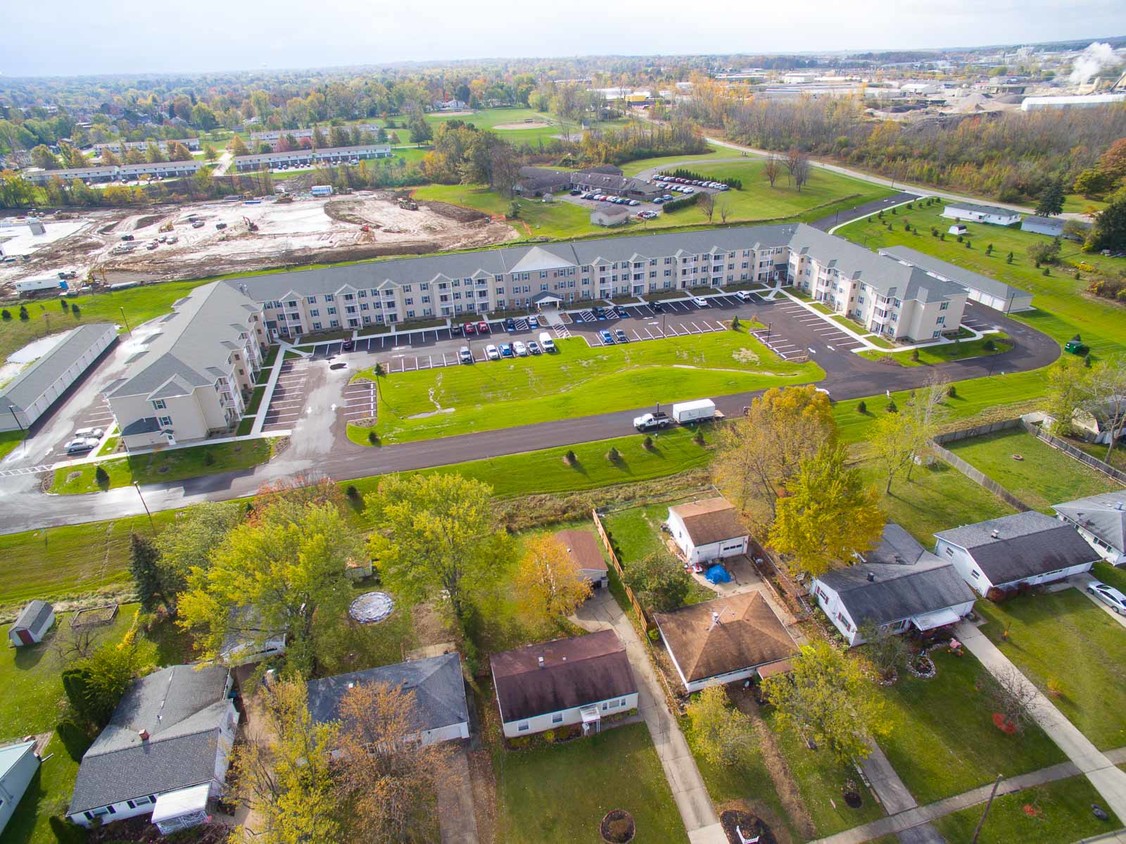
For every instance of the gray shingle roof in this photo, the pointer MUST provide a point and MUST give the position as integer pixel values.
(966, 279)
(1102, 515)
(981, 209)
(190, 342)
(900, 590)
(28, 386)
(896, 546)
(437, 684)
(182, 708)
(1027, 544)
(1053, 224)
(33, 616)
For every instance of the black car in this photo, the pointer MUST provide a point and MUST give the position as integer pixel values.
(657, 307)
(348, 345)
(510, 324)
(576, 192)
(622, 313)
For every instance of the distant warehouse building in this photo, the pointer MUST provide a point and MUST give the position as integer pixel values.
(29, 395)
(979, 288)
(1076, 101)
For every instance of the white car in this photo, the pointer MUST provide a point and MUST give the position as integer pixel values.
(464, 355)
(699, 301)
(492, 352)
(1108, 595)
(89, 433)
(520, 349)
(81, 444)
(744, 295)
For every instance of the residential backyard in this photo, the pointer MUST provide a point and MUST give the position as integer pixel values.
(1030, 469)
(561, 793)
(1063, 641)
(580, 380)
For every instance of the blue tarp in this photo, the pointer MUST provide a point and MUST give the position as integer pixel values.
(718, 574)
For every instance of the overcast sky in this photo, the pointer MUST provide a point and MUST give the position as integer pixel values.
(68, 37)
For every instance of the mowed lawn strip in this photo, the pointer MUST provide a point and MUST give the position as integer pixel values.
(943, 740)
(561, 793)
(1063, 638)
(1043, 475)
(1058, 811)
(578, 381)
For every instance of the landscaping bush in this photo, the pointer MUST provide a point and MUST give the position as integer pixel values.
(892, 407)
(647, 443)
(569, 458)
(5, 314)
(989, 346)
(684, 202)
(101, 477)
(613, 455)
(952, 392)
(862, 408)
(77, 311)
(23, 313)
(373, 438)
(915, 355)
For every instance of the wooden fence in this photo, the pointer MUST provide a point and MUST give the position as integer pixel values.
(646, 624)
(1072, 451)
(977, 431)
(979, 477)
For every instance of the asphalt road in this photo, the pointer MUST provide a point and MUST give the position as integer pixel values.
(24, 507)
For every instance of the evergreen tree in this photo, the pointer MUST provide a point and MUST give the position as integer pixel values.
(1051, 200)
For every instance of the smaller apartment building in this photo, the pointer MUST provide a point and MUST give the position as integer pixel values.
(117, 173)
(193, 376)
(889, 298)
(309, 157)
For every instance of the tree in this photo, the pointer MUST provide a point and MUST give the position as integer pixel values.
(548, 582)
(420, 131)
(1112, 163)
(898, 438)
(1045, 253)
(1051, 200)
(178, 152)
(884, 649)
(827, 699)
(1102, 393)
(771, 168)
(386, 776)
(828, 516)
(285, 777)
(43, 158)
(94, 685)
(759, 453)
(209, 152)
(723, 736)
(146, 574)
(1092, 183)
(285, 569)
(439, 536)
(237, 146)
(797, 162)
(197, 532)
(659, 581)
(1011, 695)
(1109, 230)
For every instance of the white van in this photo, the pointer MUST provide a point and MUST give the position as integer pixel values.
(547, 343)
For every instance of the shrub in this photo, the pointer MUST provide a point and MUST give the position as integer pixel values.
(960, 238)
(1047, 271)
(735, 324)
(613, 455)
(1009, 258)
(934, 232)
(549, 736)
(24, 314)
(969, 245)
(647, 443)
(915, 355)
(862, 407)
(101, 476)
(352, 492)
(989, 249)
(77, 311)
(892, 407)
(208, 459)
(373, 437)
(699, 438)
(989, 346)
(942, 236)
(952, 391)
(5, 314)
(569, 458)
(64, 304)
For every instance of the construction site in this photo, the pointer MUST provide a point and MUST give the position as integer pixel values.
(105, 247)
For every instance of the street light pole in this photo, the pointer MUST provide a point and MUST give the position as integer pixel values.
(152, 525)
(15, 416)
(125, 320)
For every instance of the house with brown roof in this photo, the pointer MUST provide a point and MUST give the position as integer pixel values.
(582, 548)
(707, 530)
(725, 640)
(555, 684)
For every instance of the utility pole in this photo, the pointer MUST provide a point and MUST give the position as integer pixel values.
(152, 525)
(124, 319)
(988, 804)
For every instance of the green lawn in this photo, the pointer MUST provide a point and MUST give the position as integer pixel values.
(1061, 309)
(690, 162)
(946, 353)
(561, 793)
(1058, 811)
(1064, 638)
(8, 442)
(636, 532)
(1045, 476)
(937, 497)
(1110, 575)
(163, 466)
(943, 740)
(578, 381)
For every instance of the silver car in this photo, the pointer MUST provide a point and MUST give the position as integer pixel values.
(1108, 595)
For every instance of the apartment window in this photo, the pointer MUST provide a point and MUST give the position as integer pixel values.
(164, 421)
(331, 311)
(159, 404)
(940, 321)
(329, 297)
(949, 551)
(944, 306)
(314, 312)
(975, 574)
(312, 300)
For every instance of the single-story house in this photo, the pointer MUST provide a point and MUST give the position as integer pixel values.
(707, 530)
(18, 764)
(1051, 226)
(1101, 520)
(598, 181)
(436, 685)
(1094, 424)
(582, 547)
(612, 216)
(32, 624)
(536, 181)
(1012, 551)
(555, 684)
(725, 640)
(981, 214)
(165, 751)
(898, 586)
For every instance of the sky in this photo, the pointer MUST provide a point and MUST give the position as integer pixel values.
(80, 37)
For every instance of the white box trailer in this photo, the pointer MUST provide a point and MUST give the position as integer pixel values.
(694, 411)
(34, 285)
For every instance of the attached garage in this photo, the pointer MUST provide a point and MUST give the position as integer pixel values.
(979, 288)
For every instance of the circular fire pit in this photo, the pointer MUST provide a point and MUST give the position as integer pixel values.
(371, 607)
(617, 827)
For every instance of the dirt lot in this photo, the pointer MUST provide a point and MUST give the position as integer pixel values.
(304, 231)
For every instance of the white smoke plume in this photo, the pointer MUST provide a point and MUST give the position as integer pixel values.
(1096, 58)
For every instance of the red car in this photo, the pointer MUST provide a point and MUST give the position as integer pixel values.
(482, 328)
(470, 328)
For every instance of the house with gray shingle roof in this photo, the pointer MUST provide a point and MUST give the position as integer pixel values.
(1101, 520)
(167, 745)
(898, 586)
(990, 214)
(1025, 549)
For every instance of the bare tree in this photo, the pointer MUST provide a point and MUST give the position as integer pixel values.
(1012, 696)
(792, 158)
(800, 170)
(1104, 397)
(707, 205)
(772, 168)
(724, 211)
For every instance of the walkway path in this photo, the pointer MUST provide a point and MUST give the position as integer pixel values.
(1107, 779)
(455, 802)
(688, 789)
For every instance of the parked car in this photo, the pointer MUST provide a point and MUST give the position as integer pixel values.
(660, 200)
(621, 312)
(491, 352)
(506, 350)
(470, 328)
(599, 313)
(520, 349)
(1076, 347)
(220, 226)
(78, 445)
(1108, 595)
(657, 307)
(606, 337)
(455, 330)
(534, 347)
(89, 433)
(510, 324)
(699, 301)
(620, 336)
(576, 192)
(533, 322)
(652, 422)
(482, 328)
(744, 295)
(634, 202)
(198, 224)
(347, 346)
(464, 355)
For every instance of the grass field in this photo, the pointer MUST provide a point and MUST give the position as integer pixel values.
(1045, 476)
(9, 440)
(163, 466)
(561, 793)
(943, 740)
(1061, 308)
(945, 353)
(636, 533)
(1064, 638)
(578, 381)
(1058, 811)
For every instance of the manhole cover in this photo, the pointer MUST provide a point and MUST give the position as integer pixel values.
(371, 607)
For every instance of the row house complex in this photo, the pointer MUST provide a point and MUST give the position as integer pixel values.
(116, 172)
(309, 157)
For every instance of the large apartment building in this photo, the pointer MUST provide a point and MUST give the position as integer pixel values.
(193, 375)
(890, 298)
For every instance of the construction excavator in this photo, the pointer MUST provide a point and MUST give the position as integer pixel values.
(251, 226)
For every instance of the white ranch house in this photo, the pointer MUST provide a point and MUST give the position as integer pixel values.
(707, 530)
(990, 214)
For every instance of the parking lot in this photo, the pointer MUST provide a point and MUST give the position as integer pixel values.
(288, 400)
(796, 332)
(359, 402)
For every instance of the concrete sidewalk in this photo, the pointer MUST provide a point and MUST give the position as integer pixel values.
(1108, 780)
(688, 789)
